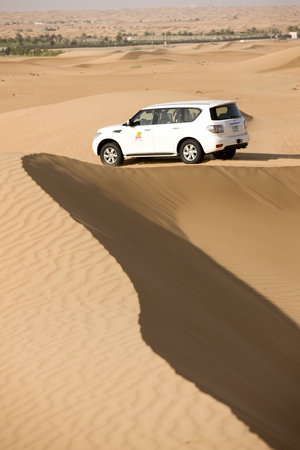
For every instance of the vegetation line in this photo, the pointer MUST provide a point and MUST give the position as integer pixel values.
(40, 45)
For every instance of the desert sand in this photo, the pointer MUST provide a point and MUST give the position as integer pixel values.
(194, 18)
(155, 305)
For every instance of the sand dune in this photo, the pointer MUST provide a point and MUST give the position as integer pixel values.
(77, 372)
(283, 59)
(133, 55)
(159, 51)
(252, 368)
(156, 305)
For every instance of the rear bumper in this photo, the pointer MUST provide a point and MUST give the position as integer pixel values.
(220, 144)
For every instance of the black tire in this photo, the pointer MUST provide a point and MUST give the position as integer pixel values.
(191, 152)
(111, 154)
(229, 154)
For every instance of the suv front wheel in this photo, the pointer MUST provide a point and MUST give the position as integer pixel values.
(111, 154)
(191, 152)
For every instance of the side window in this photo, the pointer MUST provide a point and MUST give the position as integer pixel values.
(190, 114)
(170, 115)
(143, 117)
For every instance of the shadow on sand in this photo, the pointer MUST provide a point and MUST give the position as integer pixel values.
(239, 157)
(212, 328)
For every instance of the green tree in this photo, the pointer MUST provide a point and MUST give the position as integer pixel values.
(252, 31)
(46, 38)
(293, 28)
(119, 37)
(19, 39)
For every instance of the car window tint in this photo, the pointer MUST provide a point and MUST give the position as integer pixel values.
(225, 112)
(143, 117)
(170, 115)
(190, 114)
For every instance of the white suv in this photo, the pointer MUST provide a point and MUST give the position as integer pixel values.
(188, 129)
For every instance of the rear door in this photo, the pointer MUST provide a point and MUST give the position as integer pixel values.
(167, 130)
(230, 117)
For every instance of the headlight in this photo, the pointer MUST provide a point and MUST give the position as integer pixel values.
(97, 134)
(245, 124)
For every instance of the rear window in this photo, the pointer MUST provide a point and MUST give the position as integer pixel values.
(224, 112)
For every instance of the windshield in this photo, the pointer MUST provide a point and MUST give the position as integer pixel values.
(224, 112)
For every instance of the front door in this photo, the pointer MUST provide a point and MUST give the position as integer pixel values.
(137, 139)
(167, 131)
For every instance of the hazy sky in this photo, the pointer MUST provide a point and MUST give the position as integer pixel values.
(42, 5)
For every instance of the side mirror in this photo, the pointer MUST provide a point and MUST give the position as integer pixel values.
(128, 123)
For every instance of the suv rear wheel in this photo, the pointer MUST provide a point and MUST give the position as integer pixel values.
(111, 154)
(191, 152)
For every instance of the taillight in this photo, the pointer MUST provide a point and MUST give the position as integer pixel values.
(215, 128)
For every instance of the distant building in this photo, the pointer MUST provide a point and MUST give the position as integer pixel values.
(294, 34)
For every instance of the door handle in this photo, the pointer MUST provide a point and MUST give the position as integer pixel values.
(176, 128)
(147, 129)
